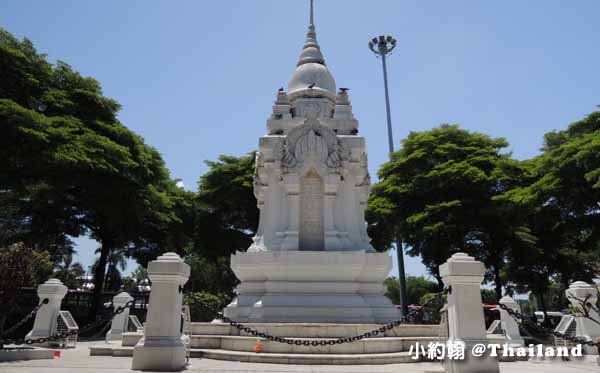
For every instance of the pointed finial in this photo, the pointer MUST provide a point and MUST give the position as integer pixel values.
(311, 52)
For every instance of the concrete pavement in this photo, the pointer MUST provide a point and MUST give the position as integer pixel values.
(78, 361)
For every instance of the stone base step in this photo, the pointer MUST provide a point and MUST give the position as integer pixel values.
(17, 353)
(365, 346)
(316, 330)
(309, 359)
(276, 358)
(246, 344)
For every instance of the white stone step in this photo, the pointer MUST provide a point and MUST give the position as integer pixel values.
(316, 330)
(305, 359)
(247, 343)
(365, 346)
(275, 358)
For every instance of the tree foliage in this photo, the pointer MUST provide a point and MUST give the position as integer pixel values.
(416, 288)
(69, 167)
(438, 194)
(226, 219)
(19, 266)
(561, 198)
(69, 272)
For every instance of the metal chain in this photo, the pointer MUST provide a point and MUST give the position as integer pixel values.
(526, 323)
(63, 335)
(305, 342)
(26, 318)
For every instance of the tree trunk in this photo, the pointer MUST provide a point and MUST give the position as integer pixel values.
(544, 309)
(2, 321)
(563, 301)
(436, 273)
(99, 276)
(497, 282)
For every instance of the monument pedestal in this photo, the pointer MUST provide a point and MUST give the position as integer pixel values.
(120, 321)
(312, 287)
(161, 349)
(45, 318)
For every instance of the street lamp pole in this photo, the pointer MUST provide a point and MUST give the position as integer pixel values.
(383, 46)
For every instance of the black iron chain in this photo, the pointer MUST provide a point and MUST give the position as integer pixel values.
(26, 318)
(529, 324)
(305, 342)
(61, 336)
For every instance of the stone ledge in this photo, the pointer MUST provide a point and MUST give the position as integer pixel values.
(317, 330)
(276, 358)
(33, 353)
(247, 343)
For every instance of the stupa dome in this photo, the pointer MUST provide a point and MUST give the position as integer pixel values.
(311, 74)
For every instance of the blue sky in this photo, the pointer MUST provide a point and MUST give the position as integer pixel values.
(197, 78)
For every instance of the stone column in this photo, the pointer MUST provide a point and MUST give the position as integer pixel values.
(162, 349)
(585, 327)
(509, 324)
(120, 321)
(45, 318)
(463, 274)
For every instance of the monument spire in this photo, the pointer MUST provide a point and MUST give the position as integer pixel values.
(311, 52)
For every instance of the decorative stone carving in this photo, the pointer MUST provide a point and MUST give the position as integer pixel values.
(312, 142)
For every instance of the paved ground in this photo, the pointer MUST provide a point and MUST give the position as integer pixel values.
(79, 361)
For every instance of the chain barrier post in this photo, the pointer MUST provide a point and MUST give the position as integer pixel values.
(119, 322)
(162, 349)
(510, 325)
(463, 274)
(582, 294)
(45, 319)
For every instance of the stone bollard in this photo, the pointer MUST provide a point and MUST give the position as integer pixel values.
(510, 325)
(586, 328)
(119, 322)
(162, 349)
(463, 275)
(45, 318)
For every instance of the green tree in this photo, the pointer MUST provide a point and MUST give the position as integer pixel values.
(416, 288)
(561, 198)
(70, 167)
(488, 296)
(227, 215)
(439, 195)
(139, 274)
(225, 220)
(116, 264)
(20, 266)
(69, 272)
(211, 275)
(203, 306)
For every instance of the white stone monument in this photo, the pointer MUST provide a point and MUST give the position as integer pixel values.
(463, 275)
(509, 324)
(311, 260)
(121, 320)
(162, 349)
(586, 328)
(45, 318)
